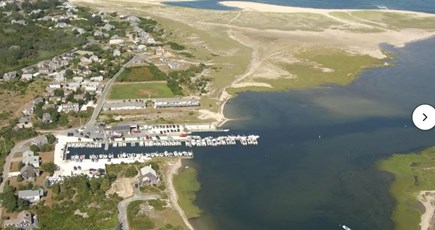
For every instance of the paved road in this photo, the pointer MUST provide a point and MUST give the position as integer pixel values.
(122, 208)
(100, 102)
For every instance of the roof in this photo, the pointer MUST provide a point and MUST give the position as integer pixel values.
(30, 193)
(121, 128)
(148, 170)
(29, 171)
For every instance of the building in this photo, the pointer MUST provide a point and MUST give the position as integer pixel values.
(66, 108)
(25, 220)
(46, 118)
(148, 176)
(9, 76)
(24, 122)
(39, 141)
(29, 158)
(26, 77)
(74, 86)
(28, 172)
(116, 40)
(176, 102)
(119, 130)
(32, 196)
(97, 79)
(124, 105)
(78, 79)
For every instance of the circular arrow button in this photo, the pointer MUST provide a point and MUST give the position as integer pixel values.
(424, 117)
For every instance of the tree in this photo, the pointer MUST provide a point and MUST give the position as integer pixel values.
(59, 93)
(19, 178)
(49, 167)
(9, 198)
(21, 165)
(34, 148)
(51, 138)
(22, 204)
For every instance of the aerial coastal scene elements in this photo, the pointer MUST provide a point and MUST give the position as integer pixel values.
(128, 114)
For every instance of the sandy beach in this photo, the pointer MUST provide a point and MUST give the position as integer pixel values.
(170, 172)
(427, 198)
(263, 7)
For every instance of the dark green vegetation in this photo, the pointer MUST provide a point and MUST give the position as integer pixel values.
(21, 46)
(87, 196)
(186, 184)
(157, 204)
(176, 46)
(11, 201)
(142, 73)
(413, 173)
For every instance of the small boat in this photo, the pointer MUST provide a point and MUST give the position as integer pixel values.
(345, 227)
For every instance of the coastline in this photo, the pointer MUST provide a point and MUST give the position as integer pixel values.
(427, 198)
(173, 196)
(271, 8)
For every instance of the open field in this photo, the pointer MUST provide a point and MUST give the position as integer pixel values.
(141, 73)
(15, 96)
(413, 173)
(140, 90)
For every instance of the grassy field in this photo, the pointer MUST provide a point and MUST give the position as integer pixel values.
(186, 184)
(413, 173)
(141, 73)
(136, 219)
(140, 90)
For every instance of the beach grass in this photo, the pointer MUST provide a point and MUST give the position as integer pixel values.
(140, 90)
(186, 184)
(318, 66)
(395, 20)
(413, 172)
(136, 219)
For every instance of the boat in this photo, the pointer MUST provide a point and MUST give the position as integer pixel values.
(345, 227)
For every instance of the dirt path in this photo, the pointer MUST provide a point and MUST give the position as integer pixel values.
(427, 198)
(173, 169)
(122, 208)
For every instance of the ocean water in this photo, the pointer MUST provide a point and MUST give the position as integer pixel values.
(415, 5)
(315, 165)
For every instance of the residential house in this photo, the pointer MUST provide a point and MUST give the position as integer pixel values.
(176, 102)
(151, 41)
(46, 118)
(173, 65)
(26, 77)
(108, 27)
(97, 79)
(73, 86)
(24, 220)
(18, 22)
(55, 86)
(159, 51)
(78, 79)
(142, 48)
(32, 196)
(29, 69)
(61, 25)
(98, 33)
(29, 172)
(66, 108)
(116, 53)
(9, 76)
(39, 141)
(116, 40)
(24, 122)
(28, 110)
(148, 176)
(29, 158)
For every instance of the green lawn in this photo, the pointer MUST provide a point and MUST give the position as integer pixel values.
(186, 184)
(140, 90)
(413, 173)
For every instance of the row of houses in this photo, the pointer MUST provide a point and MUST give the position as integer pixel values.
(138, 104)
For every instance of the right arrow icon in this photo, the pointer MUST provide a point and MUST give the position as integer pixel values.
(428, 113)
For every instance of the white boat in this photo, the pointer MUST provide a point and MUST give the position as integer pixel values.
(345, 227)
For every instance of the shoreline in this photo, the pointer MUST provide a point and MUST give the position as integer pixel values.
(272, 8)
(173, 196)
(427, 198)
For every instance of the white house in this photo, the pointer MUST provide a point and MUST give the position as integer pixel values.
(26, 77)
(32, 196)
